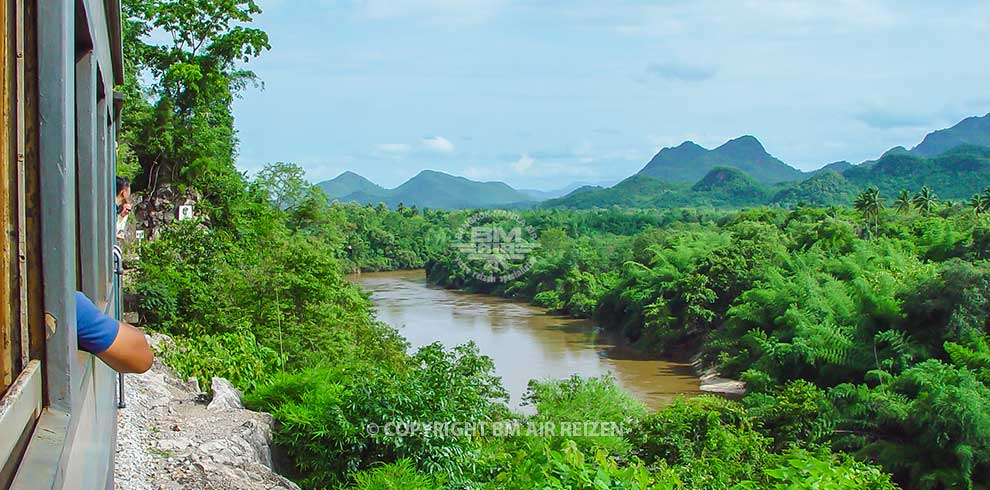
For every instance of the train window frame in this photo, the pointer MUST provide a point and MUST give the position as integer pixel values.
(70, 223)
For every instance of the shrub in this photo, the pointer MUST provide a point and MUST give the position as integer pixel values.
(708, 439)
(801, 469)
(799, 414)
(401, 475)
(570, 469)
(579, 399)
(236, 356)
(324, 414)
(549, 300)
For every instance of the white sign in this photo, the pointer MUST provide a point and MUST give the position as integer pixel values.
(185, 212)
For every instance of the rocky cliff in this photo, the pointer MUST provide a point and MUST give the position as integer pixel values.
(169, 436)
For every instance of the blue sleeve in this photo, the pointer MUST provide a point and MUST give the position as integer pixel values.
(94, 330)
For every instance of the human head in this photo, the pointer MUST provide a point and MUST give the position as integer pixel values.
(123, 191)
(123, 197)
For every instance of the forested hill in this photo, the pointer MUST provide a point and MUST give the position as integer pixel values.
(689, 162)
(428, 189)
(955, 175)
(969, 131)
(349, 183)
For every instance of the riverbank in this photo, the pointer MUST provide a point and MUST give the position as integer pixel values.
(708, 378)
(524, 341)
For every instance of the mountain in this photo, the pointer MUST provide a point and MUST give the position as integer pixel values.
(439, 190)
(431, 189)
(721, 187)
(349, 183)
(969, 131)
(955, 175)
(638, 191)
(689, 162)
(954, 162)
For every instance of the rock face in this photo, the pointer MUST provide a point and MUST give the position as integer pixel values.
(168, 438)
(225, 396)
(152, 212)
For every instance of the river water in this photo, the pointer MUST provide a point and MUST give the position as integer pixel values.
(524, 341)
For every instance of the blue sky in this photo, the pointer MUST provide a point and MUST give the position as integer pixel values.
(543, 93)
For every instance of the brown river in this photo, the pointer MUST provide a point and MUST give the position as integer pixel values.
(524, 341)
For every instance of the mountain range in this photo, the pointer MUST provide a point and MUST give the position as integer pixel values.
(428, 189)
(955, 162)
(969, 131)
(690, 162)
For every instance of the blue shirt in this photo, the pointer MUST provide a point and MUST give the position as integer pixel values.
(94, 330)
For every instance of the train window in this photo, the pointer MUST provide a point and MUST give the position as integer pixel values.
(88, 177)
(56, 234)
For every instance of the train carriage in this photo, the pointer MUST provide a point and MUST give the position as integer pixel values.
(59, 63)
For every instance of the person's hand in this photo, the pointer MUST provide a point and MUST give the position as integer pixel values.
(125, 209)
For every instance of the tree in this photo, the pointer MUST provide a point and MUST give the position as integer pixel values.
(925, 200)
(178, 120)
(869, 203)
(903, 203)
(979, 204)
(284, 184)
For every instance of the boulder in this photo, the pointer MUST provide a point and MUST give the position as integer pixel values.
(225, 396)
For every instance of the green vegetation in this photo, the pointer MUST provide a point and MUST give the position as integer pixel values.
(957, 174)
(862, 333)
(846, 324)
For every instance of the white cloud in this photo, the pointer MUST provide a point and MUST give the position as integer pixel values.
(392, 148)
(438, 144)
(523, 164)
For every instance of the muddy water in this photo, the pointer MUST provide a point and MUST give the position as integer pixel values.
(523, 340)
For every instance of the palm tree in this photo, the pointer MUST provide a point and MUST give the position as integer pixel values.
(903, 202)
(870, 203)
(925, 200)
(979, 204)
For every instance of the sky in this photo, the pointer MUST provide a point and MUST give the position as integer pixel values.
(541, 93)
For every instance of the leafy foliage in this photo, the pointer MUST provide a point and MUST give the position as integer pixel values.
(873, 347)
(325, 414)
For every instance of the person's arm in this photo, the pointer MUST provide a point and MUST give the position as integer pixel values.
(129, 352)
(119, 345)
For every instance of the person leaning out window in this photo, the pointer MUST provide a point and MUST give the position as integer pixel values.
(120, 345)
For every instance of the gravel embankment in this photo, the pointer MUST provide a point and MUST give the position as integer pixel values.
(170, 438)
